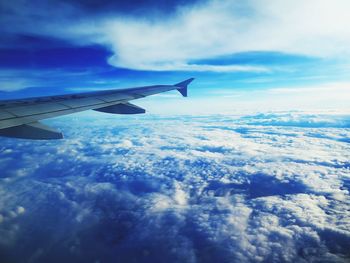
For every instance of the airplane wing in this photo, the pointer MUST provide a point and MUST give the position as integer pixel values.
(20, 118)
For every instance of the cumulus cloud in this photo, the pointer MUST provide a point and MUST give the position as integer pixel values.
(239, 188)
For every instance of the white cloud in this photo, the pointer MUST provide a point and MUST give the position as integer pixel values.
(209, 29)
(312, 28)
(18, 79)
(15, 84)
(20, 210)
(180, 196)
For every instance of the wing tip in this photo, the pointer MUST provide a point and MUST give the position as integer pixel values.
(182, 86)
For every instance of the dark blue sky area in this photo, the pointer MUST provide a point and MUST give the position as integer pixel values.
(131, 7)
(69, 57)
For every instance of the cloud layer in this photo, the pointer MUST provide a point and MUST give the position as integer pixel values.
(267, 187)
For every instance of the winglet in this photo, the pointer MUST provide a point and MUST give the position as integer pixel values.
(183, 86)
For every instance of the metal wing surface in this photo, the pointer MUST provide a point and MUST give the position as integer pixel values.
(20, 118)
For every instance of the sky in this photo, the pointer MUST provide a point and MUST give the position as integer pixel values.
(257, 170)
(245, 55)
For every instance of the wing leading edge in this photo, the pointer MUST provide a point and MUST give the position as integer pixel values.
(20, 118)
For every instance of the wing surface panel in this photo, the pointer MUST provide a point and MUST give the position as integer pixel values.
(31, 110)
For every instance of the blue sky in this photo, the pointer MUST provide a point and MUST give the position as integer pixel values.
(243, 54)
(269, 186)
